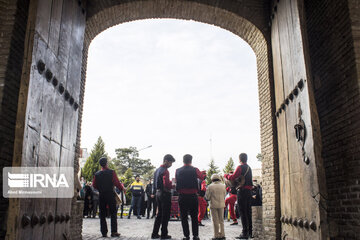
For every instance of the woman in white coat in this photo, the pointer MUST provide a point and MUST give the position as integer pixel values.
(216, 193)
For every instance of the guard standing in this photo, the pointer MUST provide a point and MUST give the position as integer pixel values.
(137, 190)
(95, 201)
(162, 186)
(187, 187)
(201, 199)
(104, 181)
(151, 202)
(244, 195)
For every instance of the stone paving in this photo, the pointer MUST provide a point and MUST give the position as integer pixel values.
(140, 229)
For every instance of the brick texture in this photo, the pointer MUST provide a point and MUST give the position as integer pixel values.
(333, 38)
(257, 213)
(247, 19)
(76, 221)
(13, 20)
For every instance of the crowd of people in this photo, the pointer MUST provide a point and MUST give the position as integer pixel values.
(235, 192)
(142, 201)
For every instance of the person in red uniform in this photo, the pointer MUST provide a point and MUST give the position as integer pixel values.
(244, 195)
(187, 187)
(162, 186)
(231, 202)
(201, 199)
(104, 181)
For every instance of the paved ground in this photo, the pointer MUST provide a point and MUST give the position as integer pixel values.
(140, 229)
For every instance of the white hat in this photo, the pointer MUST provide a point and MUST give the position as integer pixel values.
(215, 176)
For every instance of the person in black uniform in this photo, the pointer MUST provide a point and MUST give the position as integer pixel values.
(256, 194)
(151, 201)
(95, 201)
(104, 181)
(187, 187)
(162, 186)
(88, 200)
(121, 195)
(244, 195)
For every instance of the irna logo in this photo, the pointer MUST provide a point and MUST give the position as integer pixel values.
(36, 180)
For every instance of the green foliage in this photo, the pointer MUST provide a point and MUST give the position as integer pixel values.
(149, 175)
(127, 179)
(92, 163)
(127, 158)
(111, 163)
(259, 157)
(212, 170)
(230, 165)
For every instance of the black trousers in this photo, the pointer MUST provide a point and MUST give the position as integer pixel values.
(244, 202)
(122, 210)
(163, 200)
(151, 202)
(189, 204)
(95, 205)
(107, 198)
(135, 205)
(87, 207)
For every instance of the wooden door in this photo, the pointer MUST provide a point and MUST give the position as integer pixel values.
(302, 180)
(48, 111)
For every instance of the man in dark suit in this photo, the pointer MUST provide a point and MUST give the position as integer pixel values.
(187, 187)
(151, 201)
(244, 195)
(162, 186)
(104, 181)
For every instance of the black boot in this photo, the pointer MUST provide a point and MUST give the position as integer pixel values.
(243, 236)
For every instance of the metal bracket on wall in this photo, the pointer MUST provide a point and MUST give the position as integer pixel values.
(300, 134)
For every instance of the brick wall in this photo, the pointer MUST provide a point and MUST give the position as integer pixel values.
(336, 81)
(270, 163)
(76, 219)
(354, 7)
(258, 230)
(13, 20)
(247, 19)
(333, 31)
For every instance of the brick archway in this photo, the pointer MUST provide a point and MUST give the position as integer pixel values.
(247, 20)
(53, 31)
(331, 28)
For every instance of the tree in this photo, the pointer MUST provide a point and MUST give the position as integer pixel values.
(229, 167)
(149, 175)
(127, 179)
(92, 163)
(129, 158)
(212, 170)
(259, 157)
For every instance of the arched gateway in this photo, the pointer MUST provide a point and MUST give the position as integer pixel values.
(43, 90)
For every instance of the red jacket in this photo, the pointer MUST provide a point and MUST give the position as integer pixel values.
(236, 175)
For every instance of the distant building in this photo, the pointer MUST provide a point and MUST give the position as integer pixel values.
(256, 173)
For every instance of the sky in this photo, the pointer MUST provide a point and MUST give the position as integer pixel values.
(182, 87)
